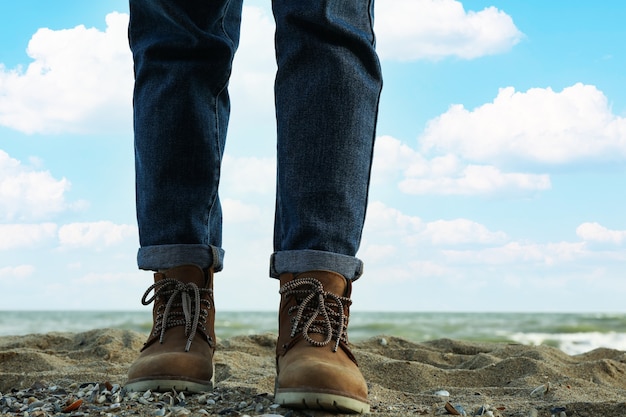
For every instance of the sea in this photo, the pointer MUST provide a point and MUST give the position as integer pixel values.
(573, 333)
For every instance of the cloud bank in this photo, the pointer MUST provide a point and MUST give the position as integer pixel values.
(408, 30)
(481, 151)
(27, 193)
(539, 126)
(80, 79)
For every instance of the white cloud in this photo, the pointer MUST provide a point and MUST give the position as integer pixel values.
(95, 235)
(80, 80)
(471, 152)
(539, 125)
(13, 236)
(430, 269)
(27, 194)
(477, 179)
(447, 174)
(391, 156)
(432, 29)
(248, 175)
(377, 253)
(460, 231)
(254, 66)
(385, 222)
(388, 230)
(520, 253)
(595, 232)
(107, 279)
(236, 211)
(8, 273)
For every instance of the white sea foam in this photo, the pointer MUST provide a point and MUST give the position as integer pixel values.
(574, 343)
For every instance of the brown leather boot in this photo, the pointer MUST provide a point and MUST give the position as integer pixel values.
(179, 351)
(314, 364)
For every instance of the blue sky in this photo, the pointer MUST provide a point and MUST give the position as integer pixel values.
(498, 181)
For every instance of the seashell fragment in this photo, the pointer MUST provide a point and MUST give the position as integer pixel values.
(540, 390)
(483, 410)
(179, 411)
(442, 393)
(455, 410)
(73, 406)
(143, 401)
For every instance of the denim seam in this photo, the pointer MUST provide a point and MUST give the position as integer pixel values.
(226, 7)
(370, 12)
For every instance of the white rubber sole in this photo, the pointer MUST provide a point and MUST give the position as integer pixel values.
(169, 384)
(321, 401)
(165, 385)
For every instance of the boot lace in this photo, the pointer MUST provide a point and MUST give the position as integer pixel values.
(317, 311)
(184, 307)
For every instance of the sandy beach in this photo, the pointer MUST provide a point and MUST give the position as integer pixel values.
(50, 374)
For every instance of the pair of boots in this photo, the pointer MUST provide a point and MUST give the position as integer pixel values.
(315, 368)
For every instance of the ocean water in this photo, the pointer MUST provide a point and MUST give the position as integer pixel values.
(573, 333)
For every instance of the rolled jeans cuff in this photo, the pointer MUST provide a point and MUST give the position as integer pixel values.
(298, 261)
(159, 257)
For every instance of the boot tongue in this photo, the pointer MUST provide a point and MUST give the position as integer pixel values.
(186, 274)
(331, 281)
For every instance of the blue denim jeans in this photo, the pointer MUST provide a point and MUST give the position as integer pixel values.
(327, 92)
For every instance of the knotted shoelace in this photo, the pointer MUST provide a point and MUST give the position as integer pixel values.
(186, 312)
(317, 311)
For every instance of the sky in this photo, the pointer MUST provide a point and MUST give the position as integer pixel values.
(498, 181)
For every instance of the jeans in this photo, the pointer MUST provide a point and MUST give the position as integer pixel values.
(327, 91)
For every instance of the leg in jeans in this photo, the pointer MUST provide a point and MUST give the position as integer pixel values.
(327, 91)
(183, 52)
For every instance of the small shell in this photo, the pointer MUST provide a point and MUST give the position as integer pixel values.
(73, 406)
(482, 411)
(451, 409)
(143, 401)
(179, 411)
(442, 393)
(540, 390)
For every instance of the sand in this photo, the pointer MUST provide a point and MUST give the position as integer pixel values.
(403, 376)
